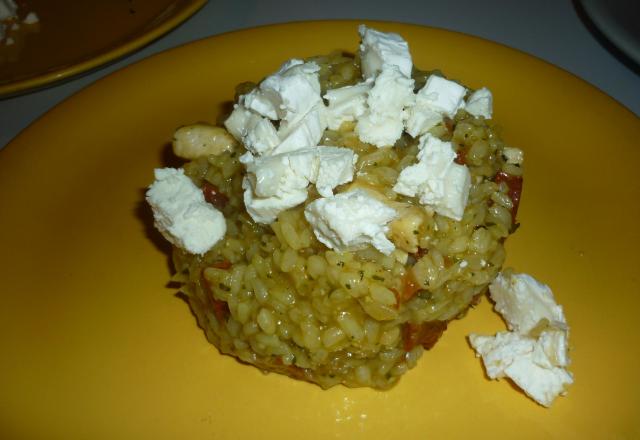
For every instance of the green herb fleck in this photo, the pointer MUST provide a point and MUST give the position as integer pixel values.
(377, 278)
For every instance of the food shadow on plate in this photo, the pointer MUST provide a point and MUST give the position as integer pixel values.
(603, 40)
(143, 212)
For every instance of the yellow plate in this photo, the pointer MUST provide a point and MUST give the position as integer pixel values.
(75, 36)
(95, 345)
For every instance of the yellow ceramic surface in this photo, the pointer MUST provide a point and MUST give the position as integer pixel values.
(75, 36)
(96, 345)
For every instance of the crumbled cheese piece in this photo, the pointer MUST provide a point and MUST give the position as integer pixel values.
(306, 132)
(346, 104)
(31, 18)
(380, 48)
(275, 175)
(522, 359)
(265, 210)
(181, 213)
(260, 103)
(351, 220)
(552, 348)
(256, 133)
(514, 156)
(383, 122)
(278, 182)
(291, 95)
(480, 103)
(524, 302)
(335, 167)
(288, 94)
(439, 97)
(536, 352)
(436, 179)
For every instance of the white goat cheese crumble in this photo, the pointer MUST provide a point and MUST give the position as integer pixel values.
(535, 353)
(436, 179)
(257, 133)
(347, 104)
(288, 94)
(305, 132)
(382, 124)
(521, 359)
(439, 97)
(181, 213)
(523, 301)
(351, 220)
(278, 182)
(480, 103)
(380, 48)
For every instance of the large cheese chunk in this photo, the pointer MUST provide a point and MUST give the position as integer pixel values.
(346, 104)
(256, 132)
(288, 94)
(380, 48)
(305, 132)
(277, 182)
(480, 103)
(523, 302)
(439, 97)
(523, 360)
(266, 209)
(351, 220)
(436, 179)
(390, 95)
(181, 213)
(535, 353)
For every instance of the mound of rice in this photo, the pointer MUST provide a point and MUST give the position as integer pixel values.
(275, 297)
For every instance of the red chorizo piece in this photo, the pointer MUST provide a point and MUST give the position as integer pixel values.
(213, 195)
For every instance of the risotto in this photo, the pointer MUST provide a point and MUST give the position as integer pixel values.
(273, 295)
